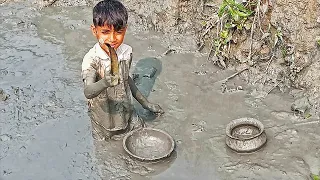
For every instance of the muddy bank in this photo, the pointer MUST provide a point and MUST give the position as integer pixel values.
(45, 130)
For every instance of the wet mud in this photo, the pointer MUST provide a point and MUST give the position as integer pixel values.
(45, 130)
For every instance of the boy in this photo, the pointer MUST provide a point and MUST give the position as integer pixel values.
(109, 96)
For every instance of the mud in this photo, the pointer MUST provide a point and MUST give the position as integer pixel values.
(45, 130)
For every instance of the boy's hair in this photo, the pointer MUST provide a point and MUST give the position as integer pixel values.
(110, 12)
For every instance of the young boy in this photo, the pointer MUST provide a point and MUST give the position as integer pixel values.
(109, 96)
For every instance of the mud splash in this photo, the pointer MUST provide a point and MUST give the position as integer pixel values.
(45, 131)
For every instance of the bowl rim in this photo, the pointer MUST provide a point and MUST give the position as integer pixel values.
(148, 129)
(249, 121)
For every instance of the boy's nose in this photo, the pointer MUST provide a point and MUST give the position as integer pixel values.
(112, 37)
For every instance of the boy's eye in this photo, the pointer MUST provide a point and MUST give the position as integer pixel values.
(120, 31)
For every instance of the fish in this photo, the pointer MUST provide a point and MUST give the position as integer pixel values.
(114, 61)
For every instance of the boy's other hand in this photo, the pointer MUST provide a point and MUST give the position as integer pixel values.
(112, 80)
(155, 108)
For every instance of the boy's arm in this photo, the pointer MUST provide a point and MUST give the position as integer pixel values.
(142, 100)
(92, 88)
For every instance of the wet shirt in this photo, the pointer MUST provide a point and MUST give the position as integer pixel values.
(112, 108)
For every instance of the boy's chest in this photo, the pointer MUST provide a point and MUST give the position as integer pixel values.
(104, 68)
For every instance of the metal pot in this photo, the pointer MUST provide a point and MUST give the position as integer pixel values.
(148, 144)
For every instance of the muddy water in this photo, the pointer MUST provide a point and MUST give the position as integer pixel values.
(45, 130)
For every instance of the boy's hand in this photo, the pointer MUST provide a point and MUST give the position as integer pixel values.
(154, 108)
(111, 80)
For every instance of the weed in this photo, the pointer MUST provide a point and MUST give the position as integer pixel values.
(315, 177)
(234, 16)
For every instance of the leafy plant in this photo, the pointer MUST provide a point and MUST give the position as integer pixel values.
(315, 177)
(236, 13)
(233, 15)
(278, 36)
(318, 42)
(284, 52)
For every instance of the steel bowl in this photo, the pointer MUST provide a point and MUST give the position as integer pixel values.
(148, 144)
(245, 135)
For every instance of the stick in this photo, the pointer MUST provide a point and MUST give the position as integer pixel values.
(50, 3)
(252, 28)
(233, 75)
(272, 89)
(207, 30)
(297, 124)
(307, 123)
(211, 49)
(270, 60)
(259, 19)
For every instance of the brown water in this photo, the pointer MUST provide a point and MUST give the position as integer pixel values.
(45, 131)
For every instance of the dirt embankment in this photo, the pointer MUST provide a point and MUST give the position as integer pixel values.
(293, 67)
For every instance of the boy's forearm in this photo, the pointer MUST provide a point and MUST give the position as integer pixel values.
(137, 94)
(94, 89)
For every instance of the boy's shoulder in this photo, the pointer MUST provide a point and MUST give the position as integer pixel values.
(125, 48)
(124, 52)
(92, 52)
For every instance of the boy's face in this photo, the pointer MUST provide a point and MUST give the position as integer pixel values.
(109, 35)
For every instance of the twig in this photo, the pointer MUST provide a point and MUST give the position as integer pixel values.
(51, 3)
(252, 28)
(233, 75)
(272, 88)
(210, 5)
(221, 23)
(269, 62)
(217, 29)
(211, 49)
(207, 30)
(201, 47)
(168, 51)
(307, 123)
(259, 19)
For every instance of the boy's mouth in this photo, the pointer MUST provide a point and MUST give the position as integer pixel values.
(101, 41)
(113, 45)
